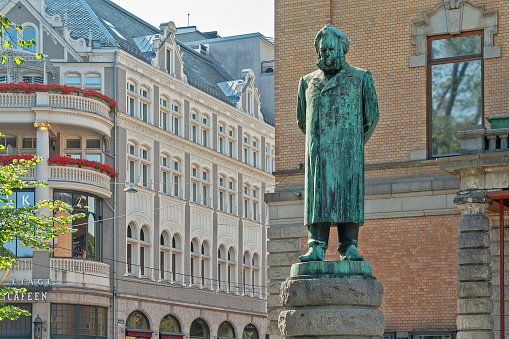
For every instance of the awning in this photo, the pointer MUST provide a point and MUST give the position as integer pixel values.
(129, 332)
(171, 335)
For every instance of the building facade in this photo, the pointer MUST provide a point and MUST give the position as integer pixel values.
(182, 256)
(438, 66)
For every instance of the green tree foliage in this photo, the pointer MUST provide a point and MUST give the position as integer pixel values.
(30, 225)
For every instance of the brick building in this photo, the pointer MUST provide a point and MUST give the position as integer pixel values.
(411, 228)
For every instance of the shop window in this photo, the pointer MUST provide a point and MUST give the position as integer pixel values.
(87, 241)
(75, 321)
(250, 332)
(455, 69)
(137, 325)
(199, 330)
(170, 328)
(225, 330)
(20, 328)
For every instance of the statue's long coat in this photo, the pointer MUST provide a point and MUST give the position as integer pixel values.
(338, 117)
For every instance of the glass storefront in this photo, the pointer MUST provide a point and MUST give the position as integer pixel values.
(87, 241)
(20, 198)
(20, 328)
(78, 321)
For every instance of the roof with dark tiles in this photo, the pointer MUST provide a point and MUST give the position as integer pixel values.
(113, 26)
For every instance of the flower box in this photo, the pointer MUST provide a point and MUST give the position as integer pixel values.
(95, 165)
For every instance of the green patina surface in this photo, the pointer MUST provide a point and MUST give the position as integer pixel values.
(346, 267)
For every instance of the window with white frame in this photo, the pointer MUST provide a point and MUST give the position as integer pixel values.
(93, 81)
(269, 158)
(232, 196)
(131, 99)
(89, 148)
(165, 174)
(171, 176)
(255, 152)
(176, 119)
(30, 35)
(145, 163)
(177, 178)
(170, 260)
(246, 148)
(222, 194)
(251, 275)
(249, 103)
(200, 186)
(170, 62)
(226, 273)
(205, 130)
(247, 202)
(133, 161)
(255, 203)
(200, 264)
(221, 138)
(145, 102)
(164, 114)
(138, 254)
(73, 79)
(232, 143)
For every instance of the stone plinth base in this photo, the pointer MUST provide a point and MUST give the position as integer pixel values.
(331, 299)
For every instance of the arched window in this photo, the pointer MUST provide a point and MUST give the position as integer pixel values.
(29, 35)
(129, 231)
(136, 321)
(200, 264)
(169, 325)
(250, 332)
(170, 259)
(138, 251)
(199, 329)
(251, 275)
(12, 35)
(142, 235)
(225, 330)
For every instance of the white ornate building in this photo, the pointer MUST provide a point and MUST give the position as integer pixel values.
(184, 256)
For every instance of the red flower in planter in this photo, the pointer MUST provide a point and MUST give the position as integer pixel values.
(64, 161)
(32, 88)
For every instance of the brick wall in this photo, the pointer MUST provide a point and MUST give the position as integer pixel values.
(381, 41)
(416, 260)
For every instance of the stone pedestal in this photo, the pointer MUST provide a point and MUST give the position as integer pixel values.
(331, 299)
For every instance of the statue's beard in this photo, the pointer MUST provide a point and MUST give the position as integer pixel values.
(338, 63)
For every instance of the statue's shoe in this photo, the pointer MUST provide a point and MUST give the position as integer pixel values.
(352, 254)
(314, 253)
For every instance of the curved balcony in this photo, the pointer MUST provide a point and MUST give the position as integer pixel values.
(80, 179)
(70, 109)
(65, 272)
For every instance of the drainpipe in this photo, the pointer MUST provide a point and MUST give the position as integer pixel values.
(114, 325)
(502, 270)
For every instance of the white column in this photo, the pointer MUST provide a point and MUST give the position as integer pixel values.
(43, 127)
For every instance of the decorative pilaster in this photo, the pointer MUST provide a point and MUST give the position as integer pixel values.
(474, 288)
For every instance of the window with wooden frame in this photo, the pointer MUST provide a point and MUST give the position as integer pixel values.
(455, 89)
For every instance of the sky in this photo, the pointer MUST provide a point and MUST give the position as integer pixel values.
(227, 17)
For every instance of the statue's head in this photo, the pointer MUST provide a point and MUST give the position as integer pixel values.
(331, 46)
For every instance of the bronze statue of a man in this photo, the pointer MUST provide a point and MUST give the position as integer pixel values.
(337, 109)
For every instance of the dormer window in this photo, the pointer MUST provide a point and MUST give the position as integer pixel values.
(169, 62)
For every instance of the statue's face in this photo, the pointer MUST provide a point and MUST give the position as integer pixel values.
(329, 49)
(330, 54)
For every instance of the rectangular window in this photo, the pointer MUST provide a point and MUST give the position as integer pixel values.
(165, 182)
(93, 80)
(144, 111)
(73, 80)
(169, 61)
(73, 143)
(78, 320)
(131, 149)
(29, 143)
(161, 265)
(246, 211)
(144, 175)
(205, 138)
(230, 203)
(249, 102)
(20, 327)
(255, 211)
(93, 143)
(176, 184)
(194, 133)
(221, 201)
(221, 145)
(142, 260)
(163, 120)
(455, 89)
(176, 126)
(255, 159)
(131, 106)
(132, 177)
(231, 151)
(144, 154)
(205, 195)
(174, 267)
(246, 155)
(195, 192)
(93, 157)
